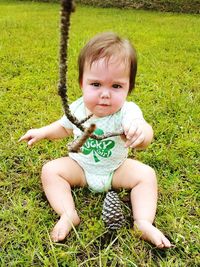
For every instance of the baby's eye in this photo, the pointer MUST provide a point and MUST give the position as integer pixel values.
(96, 84)
(116, 86)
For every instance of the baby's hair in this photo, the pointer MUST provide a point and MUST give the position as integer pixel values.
(107, 45)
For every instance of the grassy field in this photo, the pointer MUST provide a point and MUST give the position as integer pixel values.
(167, 90)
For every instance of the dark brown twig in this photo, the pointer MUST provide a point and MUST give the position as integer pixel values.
(67, 7)
(78, 143)
(104, 136)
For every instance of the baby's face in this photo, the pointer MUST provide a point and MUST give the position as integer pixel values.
(105, 86)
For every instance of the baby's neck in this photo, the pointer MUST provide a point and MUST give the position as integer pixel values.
(88, 113)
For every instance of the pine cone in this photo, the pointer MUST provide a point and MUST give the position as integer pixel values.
(112, 214)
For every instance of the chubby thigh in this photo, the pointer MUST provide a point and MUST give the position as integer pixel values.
(131, 173)
(66, 168)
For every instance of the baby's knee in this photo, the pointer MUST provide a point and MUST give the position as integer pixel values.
(146, 174)
(149, 174)
(149, 171)
(47, 171)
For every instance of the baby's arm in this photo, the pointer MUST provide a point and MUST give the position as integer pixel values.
(139, 134)
(53, 131)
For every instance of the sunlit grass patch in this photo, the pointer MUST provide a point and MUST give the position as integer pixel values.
(167, 90)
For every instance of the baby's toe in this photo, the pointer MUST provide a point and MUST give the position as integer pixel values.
(54, 236)
(159, 245)
(58, 235)
(62, 234)
(166, 242)
(163, 243)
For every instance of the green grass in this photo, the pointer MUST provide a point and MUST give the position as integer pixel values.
(167, 91)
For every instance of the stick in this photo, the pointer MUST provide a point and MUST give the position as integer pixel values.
(67, 7)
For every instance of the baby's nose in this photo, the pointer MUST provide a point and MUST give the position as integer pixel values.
(105, 93)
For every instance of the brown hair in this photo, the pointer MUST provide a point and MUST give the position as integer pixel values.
(106, 45)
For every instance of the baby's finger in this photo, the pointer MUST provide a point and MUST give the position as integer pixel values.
(137, 142)
(134, 138)
(131, 131)
(32, 141)
(24, 137)
(126, 127)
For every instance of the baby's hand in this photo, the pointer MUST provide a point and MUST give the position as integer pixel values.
(33, 136)
(135, 134)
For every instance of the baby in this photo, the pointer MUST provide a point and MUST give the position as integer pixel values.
(107, 71)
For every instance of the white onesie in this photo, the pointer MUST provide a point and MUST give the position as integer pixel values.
(100, 158)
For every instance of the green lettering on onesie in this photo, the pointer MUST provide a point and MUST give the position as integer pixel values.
(100, 148)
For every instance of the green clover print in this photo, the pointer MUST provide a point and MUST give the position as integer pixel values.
(100, 148)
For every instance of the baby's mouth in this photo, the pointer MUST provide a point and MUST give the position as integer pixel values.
(103, 105)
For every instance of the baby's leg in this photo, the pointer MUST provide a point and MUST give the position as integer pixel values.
(141, 179)
(58, 176)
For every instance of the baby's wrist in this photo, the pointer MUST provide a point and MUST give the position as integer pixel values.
(44, 132)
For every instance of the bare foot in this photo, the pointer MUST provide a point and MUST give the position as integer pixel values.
(63, 227)
(152, 234)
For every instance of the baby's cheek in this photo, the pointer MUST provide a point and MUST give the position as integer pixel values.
(89, 99)
(119, 100)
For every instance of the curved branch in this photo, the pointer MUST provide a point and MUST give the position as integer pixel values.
(67, 7)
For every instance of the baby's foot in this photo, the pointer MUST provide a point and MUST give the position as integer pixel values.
(152, 234)
(63, 227)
